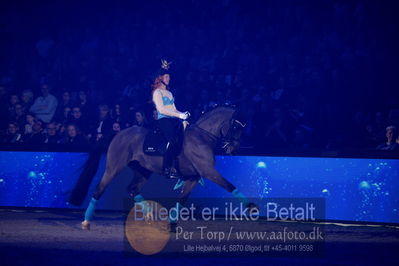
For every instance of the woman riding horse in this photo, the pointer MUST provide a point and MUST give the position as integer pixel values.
(168, 119)
(197, 159)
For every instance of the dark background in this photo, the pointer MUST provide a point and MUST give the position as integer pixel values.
(324, 73)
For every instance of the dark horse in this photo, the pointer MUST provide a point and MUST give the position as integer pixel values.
(196, 159)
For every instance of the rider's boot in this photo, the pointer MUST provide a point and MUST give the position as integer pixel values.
(175, 170)
(168, 169)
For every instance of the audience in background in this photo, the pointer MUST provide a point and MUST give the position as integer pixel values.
(65, 102)
(44, 106)
(29, 121)
(12, 134)
(37, 135)
(116, 128)
(391, 143)
(26, 99)
(19, 115)
(140, 119)
(66, 116)
(78, 120)
(51, 135)
(102, 130)
(73, 137)
(14, 99)
(84, 105)
(299, 68)
(117, 114)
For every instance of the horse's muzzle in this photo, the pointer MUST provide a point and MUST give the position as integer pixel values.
(231, 147)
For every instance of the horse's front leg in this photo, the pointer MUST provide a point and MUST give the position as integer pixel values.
(204, 164)
(216, 177)
(208, 171)
(188, 186)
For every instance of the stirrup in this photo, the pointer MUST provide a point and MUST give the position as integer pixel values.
(171, 173)
(174, 173)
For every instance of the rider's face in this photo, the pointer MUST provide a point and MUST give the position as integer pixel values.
(166, 79)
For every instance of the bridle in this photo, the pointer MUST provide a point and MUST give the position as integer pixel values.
(230, 137)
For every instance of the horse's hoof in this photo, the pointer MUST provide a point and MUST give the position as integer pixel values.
(86, 225)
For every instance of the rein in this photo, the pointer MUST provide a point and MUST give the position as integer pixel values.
(234, 123)
(210, 135)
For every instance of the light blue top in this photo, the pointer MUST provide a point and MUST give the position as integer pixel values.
(166, 101)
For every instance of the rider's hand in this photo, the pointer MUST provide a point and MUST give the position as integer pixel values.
(184, 115)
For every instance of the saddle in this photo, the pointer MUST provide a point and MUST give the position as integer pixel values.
(155, 143)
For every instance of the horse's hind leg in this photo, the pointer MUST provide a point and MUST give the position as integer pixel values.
(113, 168)
(105, 180)
(140, 177)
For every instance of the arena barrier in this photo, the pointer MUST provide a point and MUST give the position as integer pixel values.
(354, 189)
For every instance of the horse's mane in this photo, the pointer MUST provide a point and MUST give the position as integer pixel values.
(212, 112)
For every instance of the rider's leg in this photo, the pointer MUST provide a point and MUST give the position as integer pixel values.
(168, 159)
(179, 137)
(168, 128)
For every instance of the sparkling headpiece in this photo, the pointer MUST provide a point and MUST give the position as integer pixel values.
(165, 64)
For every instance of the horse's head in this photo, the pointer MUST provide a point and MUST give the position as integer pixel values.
(232, 137)
(226, 125)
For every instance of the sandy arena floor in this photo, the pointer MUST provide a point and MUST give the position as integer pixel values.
(43, 237)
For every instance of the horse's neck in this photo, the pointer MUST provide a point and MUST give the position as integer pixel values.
(214, 122)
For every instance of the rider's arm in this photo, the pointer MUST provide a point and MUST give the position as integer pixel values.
(162, 109)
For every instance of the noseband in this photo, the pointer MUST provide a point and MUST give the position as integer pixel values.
(230, 137)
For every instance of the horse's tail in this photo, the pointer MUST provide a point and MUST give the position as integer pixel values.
(89, 170)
